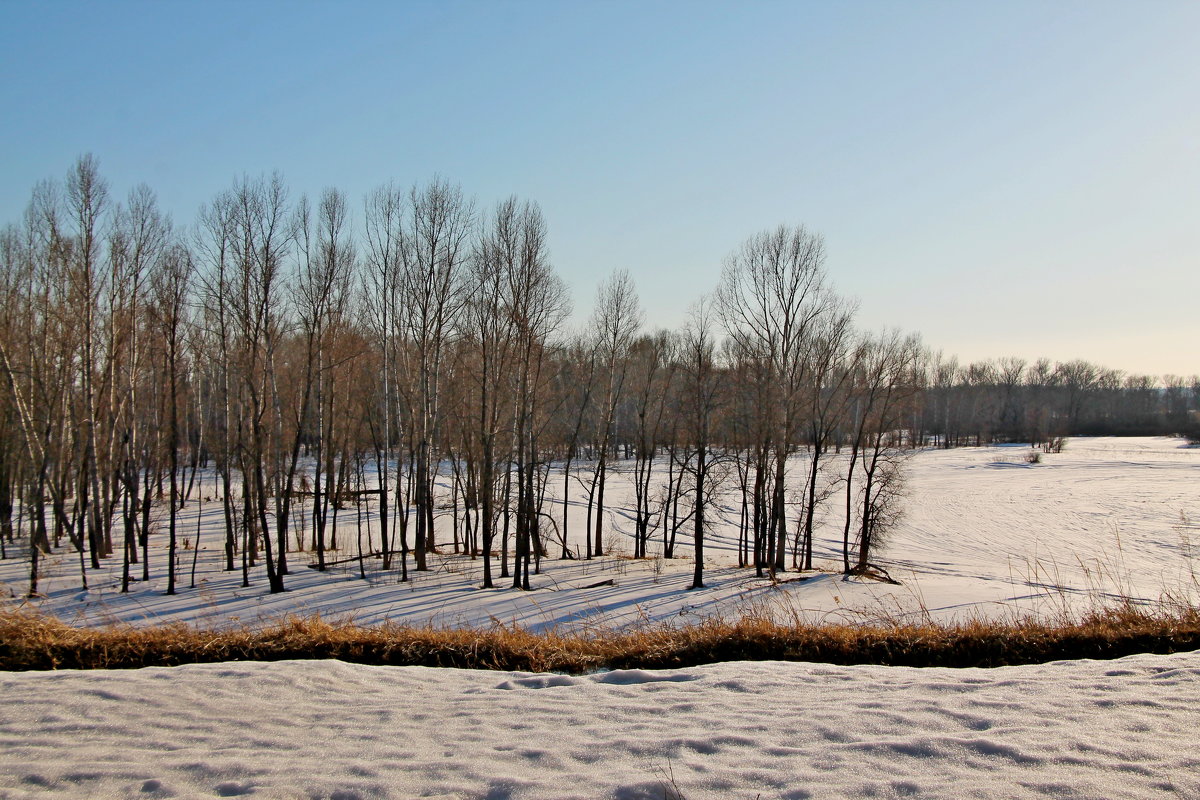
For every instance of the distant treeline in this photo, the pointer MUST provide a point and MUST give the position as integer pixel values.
(1011, 400)
(298, 348)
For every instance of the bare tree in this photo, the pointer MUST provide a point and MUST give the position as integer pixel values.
(537, 304)
(140, 238)
(384, 238)
(616, 321)
(87, 201)
(577, 384)
(701, 397)
(322, 292)
(170, 289)
(883, 388)
(435, 252)
(828, 393)
(772, 295)
(262, 237)
(215, 244)
(654, 368)
(489, 321)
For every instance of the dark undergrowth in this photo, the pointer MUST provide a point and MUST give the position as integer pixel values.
(31, 641)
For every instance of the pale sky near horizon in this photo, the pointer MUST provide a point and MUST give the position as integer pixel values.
(1018, 178)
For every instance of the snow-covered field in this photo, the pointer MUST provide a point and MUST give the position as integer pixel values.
(984, 533)
(326, 729)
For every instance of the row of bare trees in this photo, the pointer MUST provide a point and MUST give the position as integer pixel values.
(307, 355)
(1013, 400)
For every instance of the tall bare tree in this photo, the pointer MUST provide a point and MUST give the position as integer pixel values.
(262, 229)
(616, 321)
(537, 304)
(773, 292)
(435, 251)
(87, 202)
(171, 285)
(322, 293)
(140, 237)
(384, 238)
(490, 323)
(700, 401)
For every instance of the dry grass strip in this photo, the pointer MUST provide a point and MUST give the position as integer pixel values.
(29, 640)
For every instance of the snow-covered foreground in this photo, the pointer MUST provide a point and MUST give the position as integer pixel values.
(984, 533)
(327, 729)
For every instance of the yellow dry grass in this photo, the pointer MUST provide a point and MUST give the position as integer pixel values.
(29, 640)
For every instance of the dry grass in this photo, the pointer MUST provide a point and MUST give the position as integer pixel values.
(33, 641)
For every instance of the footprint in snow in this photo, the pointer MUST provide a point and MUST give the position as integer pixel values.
(538, 682)
(630, 677)
(616, 677)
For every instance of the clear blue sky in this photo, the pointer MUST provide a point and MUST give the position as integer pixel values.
(1006, 178)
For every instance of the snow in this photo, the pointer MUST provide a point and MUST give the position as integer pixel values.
(327, 729)
(984, 534)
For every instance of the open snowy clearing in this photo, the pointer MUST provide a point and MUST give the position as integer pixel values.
(327, 729)
(984, 533)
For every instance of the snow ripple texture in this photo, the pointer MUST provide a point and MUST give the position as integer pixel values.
(336, 731)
